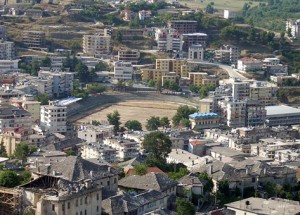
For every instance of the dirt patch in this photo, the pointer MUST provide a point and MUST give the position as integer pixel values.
(141, 111)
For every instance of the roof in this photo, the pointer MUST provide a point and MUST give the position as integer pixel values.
(74, 168)
(279, 110)
(226, 151)
(261, 206)
(148, 170)
(126, 203)
(202, 115)
(154, 181)
(190, 179)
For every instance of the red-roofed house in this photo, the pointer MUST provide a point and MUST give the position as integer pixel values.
(249, 64)
(148, 170)
(144, 14)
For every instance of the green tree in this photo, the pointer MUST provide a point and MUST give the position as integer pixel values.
(46, 62)
(282, 95)
(9, 179)
(119, 36)
(102, 66)
(208, 182)
(114, 119)
(185, 122)
(43, 99)
(153, 123)
(82, 72)
(184, 207)
(210, 9)
(3, 152)
(22, 151)
(96, 88)
(70, 152)
(133, 125)
(140, 169)
(35, 67)
(95, 122)
(25, 177)
(151, 83)
(165, 122)
(177, 175)
(157, 144)
(183, 112)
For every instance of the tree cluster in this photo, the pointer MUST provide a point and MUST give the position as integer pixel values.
(202, 90)
(155, 122)
(182, 115)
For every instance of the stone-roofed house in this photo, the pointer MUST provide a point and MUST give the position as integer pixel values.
(75, 169)
(150, 181)
(191, 183)
(247, 173)
(134, 203)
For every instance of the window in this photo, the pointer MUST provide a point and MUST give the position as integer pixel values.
(63, 207)
(80, 202)
(97, 196)
(85, 212)
(108, 183)
(76, 203)
(97, 208)
(86, 200)
(80, 212)
(115, 180)
(69, 205)
(53, 207)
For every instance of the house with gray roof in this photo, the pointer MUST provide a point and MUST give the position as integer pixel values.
(191, 183)
(132, 203)
(74, 168)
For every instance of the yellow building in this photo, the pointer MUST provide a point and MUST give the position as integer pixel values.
(153, 74)
(10, 137)
(210, 81)
(185, 70)
(171, 77)
(171, 65)
(196, 78)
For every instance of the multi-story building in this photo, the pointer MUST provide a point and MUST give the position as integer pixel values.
(54, 118)
(62, 82)
(3, 32)
(34, 39)
(185, 70)
(249, 64)
(227, 54)
(294, 26)
(44, 86)
(7, 50)
(94, 134)
(95, 45)
(153, 74)
(123, 70)
(170, 65)
(281, 115)
(99, 151)
(264, 92)
(202, 78)
(233, 112)
(126, 149)
(193, 38)
(168, 39)
(145, 14)
(183, 26)
(274, 67)
(132, 56)
(196, 52)
(204, 120)
(240, 89)
(255, 113)
(9, 66)
(169, 77)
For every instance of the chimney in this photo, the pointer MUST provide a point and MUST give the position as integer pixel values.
(88, 183)
(109, 169)
(210, 171)
(91, 173)
(206, 160)
(265, 171)
(247, 171)
(54, 173)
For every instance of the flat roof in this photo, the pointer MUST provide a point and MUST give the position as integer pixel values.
(202, 115)
(279, 110)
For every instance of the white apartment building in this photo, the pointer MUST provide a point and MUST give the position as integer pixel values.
(227, 54)
(126, 149)
(264, 92)
(95, 45)
(233, 112)
(168, 39)
(54, 118)
(145, 14)
(240, 89)
(9, 66)
(99, 151)
(3, 32)
(274, 67)
(249, 64)
(294, 26)
(123, 70)
(94, 134)
(7, 50)
(62, 82)
(44, 86)
(196, 52)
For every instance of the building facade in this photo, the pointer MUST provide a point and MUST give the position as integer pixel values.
(95, 45)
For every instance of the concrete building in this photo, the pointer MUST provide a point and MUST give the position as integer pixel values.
(170, 65)
(9, 66)
(54, 118)
(169, 77)
(48, 195)
(282, 115)
(183, 26)
(62, 82)
(264, 92)
(7, 50)
(153, 74)
(145, 14)
(3, 32)
(255, 113)
(240, 89)
(99, 151)
(34, 39)
(44, 86)
(204, 120)
(227, 54)
(123, 70)
(132, 56)
(193, 38)
(202, 78)
(259, 206)
(249, 64)
(34, 13)
(196, 52)
(294, 26)
(96, 46)
(94, 134)
(273, 67)
(229, 14)
(168, 39)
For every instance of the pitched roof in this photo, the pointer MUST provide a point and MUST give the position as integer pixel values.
(154, 181)
(74, 168)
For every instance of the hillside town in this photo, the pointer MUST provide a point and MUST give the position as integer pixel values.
(153, 107)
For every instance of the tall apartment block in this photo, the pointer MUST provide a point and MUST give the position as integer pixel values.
(183, 26)
(3, 32)
(95, 45)
(54, 118)
(34, 39)
(132, 56)
(7, 50)
(227, 54)
(193, 38)
(123, 70)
